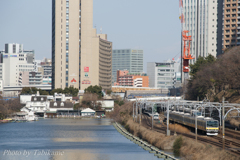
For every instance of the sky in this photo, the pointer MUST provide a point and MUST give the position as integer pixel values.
(151, 25)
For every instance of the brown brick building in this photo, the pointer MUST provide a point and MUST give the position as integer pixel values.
(124, 78)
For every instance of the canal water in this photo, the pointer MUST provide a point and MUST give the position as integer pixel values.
(73, 139)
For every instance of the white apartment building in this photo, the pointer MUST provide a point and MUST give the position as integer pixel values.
(163, 74)
(15, 61)
(200, 17)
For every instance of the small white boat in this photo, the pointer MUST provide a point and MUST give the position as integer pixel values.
(31, 116)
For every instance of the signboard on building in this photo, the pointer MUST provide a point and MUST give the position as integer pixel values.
(86, 82)
(13, 55)
(73, 80)
(5, 56)
(86, 69)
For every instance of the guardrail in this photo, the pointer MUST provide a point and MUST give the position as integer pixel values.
(143, 144)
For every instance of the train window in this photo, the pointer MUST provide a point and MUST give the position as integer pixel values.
(212, 123)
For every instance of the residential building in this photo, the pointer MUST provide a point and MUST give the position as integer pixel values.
(47, 80)
(163, 74)
(107, 104)
(45, 67)
(229, 24)
(30, 78)
(43, 104)
(124, 78)
(80, 56)
(127, 59)
(200, 19)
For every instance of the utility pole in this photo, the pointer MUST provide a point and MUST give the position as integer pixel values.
(168, 119)
(136, 113)
(140, 113)
(133, 111)
(196, 126)
(223, 123)
(152, 117)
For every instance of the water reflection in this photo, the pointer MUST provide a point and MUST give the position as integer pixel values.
(88, 139)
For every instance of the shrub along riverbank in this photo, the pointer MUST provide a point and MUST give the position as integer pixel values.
(187, 148)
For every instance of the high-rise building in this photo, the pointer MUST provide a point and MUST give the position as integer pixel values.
(229, 24)
(200, 19)
(127, 59)
(80, 56)
(163, 74)
(16, 60)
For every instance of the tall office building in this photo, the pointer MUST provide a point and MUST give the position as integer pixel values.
(15, 61)
(200, 17)
(229, 24)
(80, 56)
(127, 59)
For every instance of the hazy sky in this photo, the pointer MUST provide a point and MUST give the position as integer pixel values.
(151, 25)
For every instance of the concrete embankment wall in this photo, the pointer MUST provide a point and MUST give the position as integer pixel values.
(143, 144)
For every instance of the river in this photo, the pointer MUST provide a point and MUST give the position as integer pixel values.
(62, 139)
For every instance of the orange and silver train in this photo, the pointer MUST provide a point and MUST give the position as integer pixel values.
(205, 124)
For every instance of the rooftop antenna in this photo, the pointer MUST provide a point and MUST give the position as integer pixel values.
(101, 30)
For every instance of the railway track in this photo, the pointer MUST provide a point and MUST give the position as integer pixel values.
(232, 134)
(214, 140)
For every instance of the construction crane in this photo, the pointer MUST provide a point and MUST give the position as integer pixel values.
(187, 39)
(186, 48)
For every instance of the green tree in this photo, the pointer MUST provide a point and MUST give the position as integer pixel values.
(177, 146)
(29, 90)
(34, 90)
(109, 92)
(68, 90)
(94, 90)
(200, 63)
(58, 90)
(26, 90)
(76, 106)
(119, 102)
(71, 90)
(42, 92)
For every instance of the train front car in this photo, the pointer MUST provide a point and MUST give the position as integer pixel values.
(212, 127)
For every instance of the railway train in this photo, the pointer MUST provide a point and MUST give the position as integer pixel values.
(155, 115)
(206, 125)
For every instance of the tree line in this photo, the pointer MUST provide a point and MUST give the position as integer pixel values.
(7, 107)
(33, 90)
(209, 75)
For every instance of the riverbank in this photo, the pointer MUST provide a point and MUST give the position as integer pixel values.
(188, 149)
(143, 144)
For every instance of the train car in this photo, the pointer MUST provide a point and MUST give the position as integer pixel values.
(156, 116)
(207, 125)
